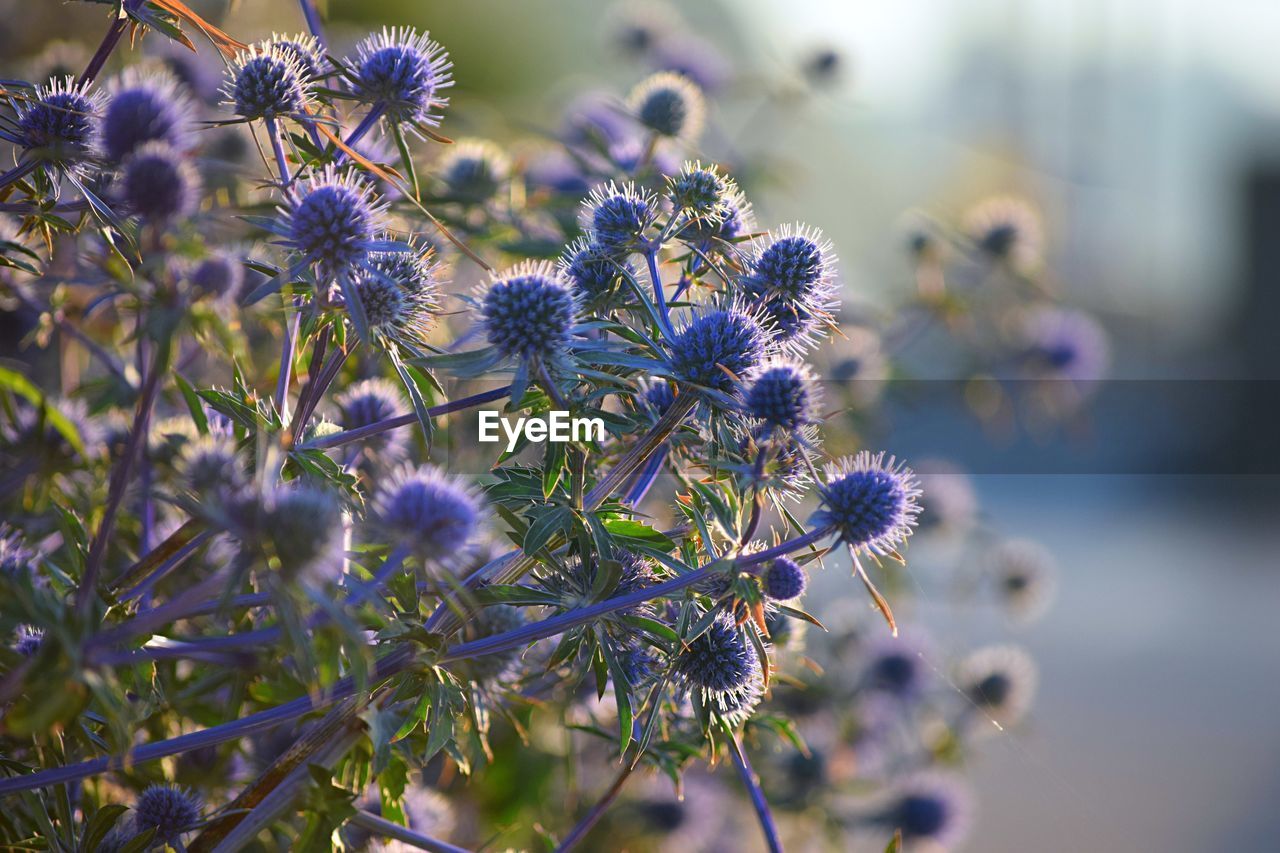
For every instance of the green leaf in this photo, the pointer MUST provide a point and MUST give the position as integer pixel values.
(544, 527)
(193, 403)
(420, 408)
(20, 385)
(103, 820)
(628, 532)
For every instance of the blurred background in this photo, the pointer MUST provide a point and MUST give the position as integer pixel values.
(1146, 133)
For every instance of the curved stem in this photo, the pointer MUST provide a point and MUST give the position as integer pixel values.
(109, 42)
(651, 259)
(758, 802)
(18, 172)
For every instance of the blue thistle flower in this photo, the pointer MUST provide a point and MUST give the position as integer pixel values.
(1000, 681)
(736, 221)
(638, 664)
(145, 108)
(669, 104)
(400, 296)
(895, 667)
(595, 119)
(159, 183)
(592, 269)
(333, 220)
(368, 402)
(929, 808)
(432, 514)
(1061, 344)
(577, 587)
(267, 84)
(791, 276)
(57, 124)
(657, 395)
(616, 217)
(870, 500)
(781, 395)
(720, 660)
(1024, 577)
(217, 275)
(529, 312)
(28, 641)
(301, 526)
(403, 72)
(474, 170)
(784, 580)
(210, 467)
(170, 810)
(303, 48)
(717, 341)
(488, 622)
(701, 193)
(1006, 230)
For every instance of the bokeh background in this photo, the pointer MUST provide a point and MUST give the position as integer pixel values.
(1148, 134)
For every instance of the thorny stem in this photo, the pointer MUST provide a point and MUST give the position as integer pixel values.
(109, 42)
(752, 784)
(394, 662)
(282, 164)
(312, 16)
(366, 124)
(18, 172)
(597, 811)
(382, 826)
(120, 479)
(286, 363)
(651, 258)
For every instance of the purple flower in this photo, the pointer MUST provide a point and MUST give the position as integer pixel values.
(402, 72)
(871, 501)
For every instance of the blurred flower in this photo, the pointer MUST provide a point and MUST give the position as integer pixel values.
(367, 402)
(693, 58)
(670, 105)
(159, 183)
(145, 108)
(948, 499)
(896, 666)
(490, 621)
(217, 275)
(1061, 344)
(1000, 681)
(301, 527)
(210, 467)
(28, 641)
(1006, 229)
(929, 809)
(431, 514)
(473, 170)
(1024, 576)
(783, 580)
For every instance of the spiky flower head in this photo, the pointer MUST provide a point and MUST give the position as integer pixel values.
(488, 622)
(718, 347)
(159, 183)
(367, 402)
(700, 192)
(1000, 681)
(145, 108)
(403, 72)
(1006, 229)
(581, 584)
(736, 221)
(657, 395)
(301, 526)
(930, 809)
(529, 312)
(168, 809)
(217, 275)
(474, 170)
(791, 276)
(592, 269)
(870, 500)
(57, 123)
(267, 83)
(722, 665)
(428, 512)
(28, 642)
(616, 216)
(1062, 344)
(305, 50)
(782, 395)
(1023, 574)
(394, 311)
(210, 467)
(784, 579)
(669, 104)
(333, 220)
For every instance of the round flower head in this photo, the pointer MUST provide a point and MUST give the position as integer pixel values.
(474, 170)
(267, 83)
(736, 221)
(159, 183)
(403, 73)
(638, 664)
(302, 527)
(218, 275)
(577, 586)
(1060, 344)
(333, 219)
(1006, 229)
(929, 809)
(210, 467)
(488, 622)
(723, 666)
(669, 104)
(28, 642)
(1000, 681)
(395, 312)
(895, 666)
(700, 192)
(871, 501)
(616, 216)
(145, 108)
(784, 580)
(529, 312)
(169, 810)
(1023, 574)
(303, 48)
(791, 276)
(718, 347)
(368, 402)
(593, 271)
(782, 395)
(56, 123)
(432, 514)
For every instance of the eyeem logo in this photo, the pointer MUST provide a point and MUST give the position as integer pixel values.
(556, 426)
